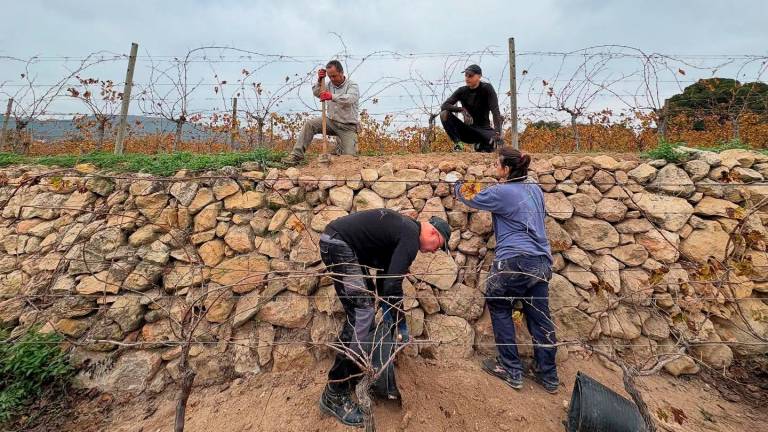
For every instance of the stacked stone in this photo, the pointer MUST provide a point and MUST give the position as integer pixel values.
(122, 257)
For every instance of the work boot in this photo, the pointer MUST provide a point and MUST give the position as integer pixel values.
(550, 382)
(494, 367)
(292, 160)
(341, 406)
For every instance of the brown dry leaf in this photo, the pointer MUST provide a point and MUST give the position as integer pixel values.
(470, 189)
(679, 415)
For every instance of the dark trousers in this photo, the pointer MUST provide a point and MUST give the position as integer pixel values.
(524, 278)
(354, 288)
(457, 130)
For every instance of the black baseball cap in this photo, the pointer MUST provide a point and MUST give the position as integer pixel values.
(443, 228)
(473, 69)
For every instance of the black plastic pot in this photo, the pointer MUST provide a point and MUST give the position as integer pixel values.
(596, 408)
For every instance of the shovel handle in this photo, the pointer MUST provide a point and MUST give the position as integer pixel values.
(325, 134)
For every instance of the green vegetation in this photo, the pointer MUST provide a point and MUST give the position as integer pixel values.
(728, 145)
(723, 97)
(30, 367)
(665, 150)
(668, 151)
(544, 124)
(157, 164)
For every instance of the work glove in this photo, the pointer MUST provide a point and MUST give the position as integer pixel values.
(468, 120)
(320, 74)
(326, 96)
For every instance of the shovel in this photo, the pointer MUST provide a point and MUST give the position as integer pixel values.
(324, 159)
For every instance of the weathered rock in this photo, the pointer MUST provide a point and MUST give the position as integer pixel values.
(127, 312)
(206, 218)
(211, 252)
(630, 254)
(481, 223)
(669, 212)
(709, 206)
(562, 294)
(590, 234)
(674, 181)
(704, 243)
(131, 373)
(605, 162)
(656, 328)
(291, 357)
(433, 207)
(578, 257)
(622, 323)
(607, 270)
(697, 169)
(144, 276)
(182, 275)
(662, 245)
(240, 238)
(389, 187)
(559, 239)
(558, 206)
(715, 354)
(462, 301)
(579, 276)
(603, 181)
(453, 336)
(242, 273)
(341, 196)
(288, 310)
(573, 324)
(610, 210)
(99, 283)
(437, 269)
(367, 199)
(643, 174)
(583, 205)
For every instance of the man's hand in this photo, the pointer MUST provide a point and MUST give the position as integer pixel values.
(467, 117)
(326, 96)
(321, 74)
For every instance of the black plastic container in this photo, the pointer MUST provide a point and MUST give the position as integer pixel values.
(596, 408)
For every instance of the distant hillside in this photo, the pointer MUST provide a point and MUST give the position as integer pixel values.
(57, 129)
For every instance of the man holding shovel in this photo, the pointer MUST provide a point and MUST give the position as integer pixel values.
(340, 100)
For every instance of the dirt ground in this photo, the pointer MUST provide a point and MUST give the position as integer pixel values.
(437, 396)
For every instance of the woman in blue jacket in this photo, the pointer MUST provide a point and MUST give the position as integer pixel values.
(521, 270)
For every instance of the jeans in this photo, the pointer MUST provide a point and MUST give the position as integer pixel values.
(347, 133)
(525, 278)
(457, 131)
(355, 291)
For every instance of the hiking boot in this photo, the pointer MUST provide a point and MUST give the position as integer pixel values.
(292, 160)
(341, 406)
(493, 367)
(550, 383)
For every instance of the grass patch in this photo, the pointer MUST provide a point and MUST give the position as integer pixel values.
(29, 367)
(668, 151)
(728, 145)
(665, 150)
(157, 164)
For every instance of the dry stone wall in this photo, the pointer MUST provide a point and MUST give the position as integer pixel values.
(114, 262)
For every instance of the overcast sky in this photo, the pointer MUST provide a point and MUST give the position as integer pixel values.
(298, 28)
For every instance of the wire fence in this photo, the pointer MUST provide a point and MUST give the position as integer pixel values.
(586, 99)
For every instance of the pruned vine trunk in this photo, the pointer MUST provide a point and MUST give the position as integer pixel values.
(576, 136)
(629, 385)
(177, 138)
(187, 379)
(363, 392)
